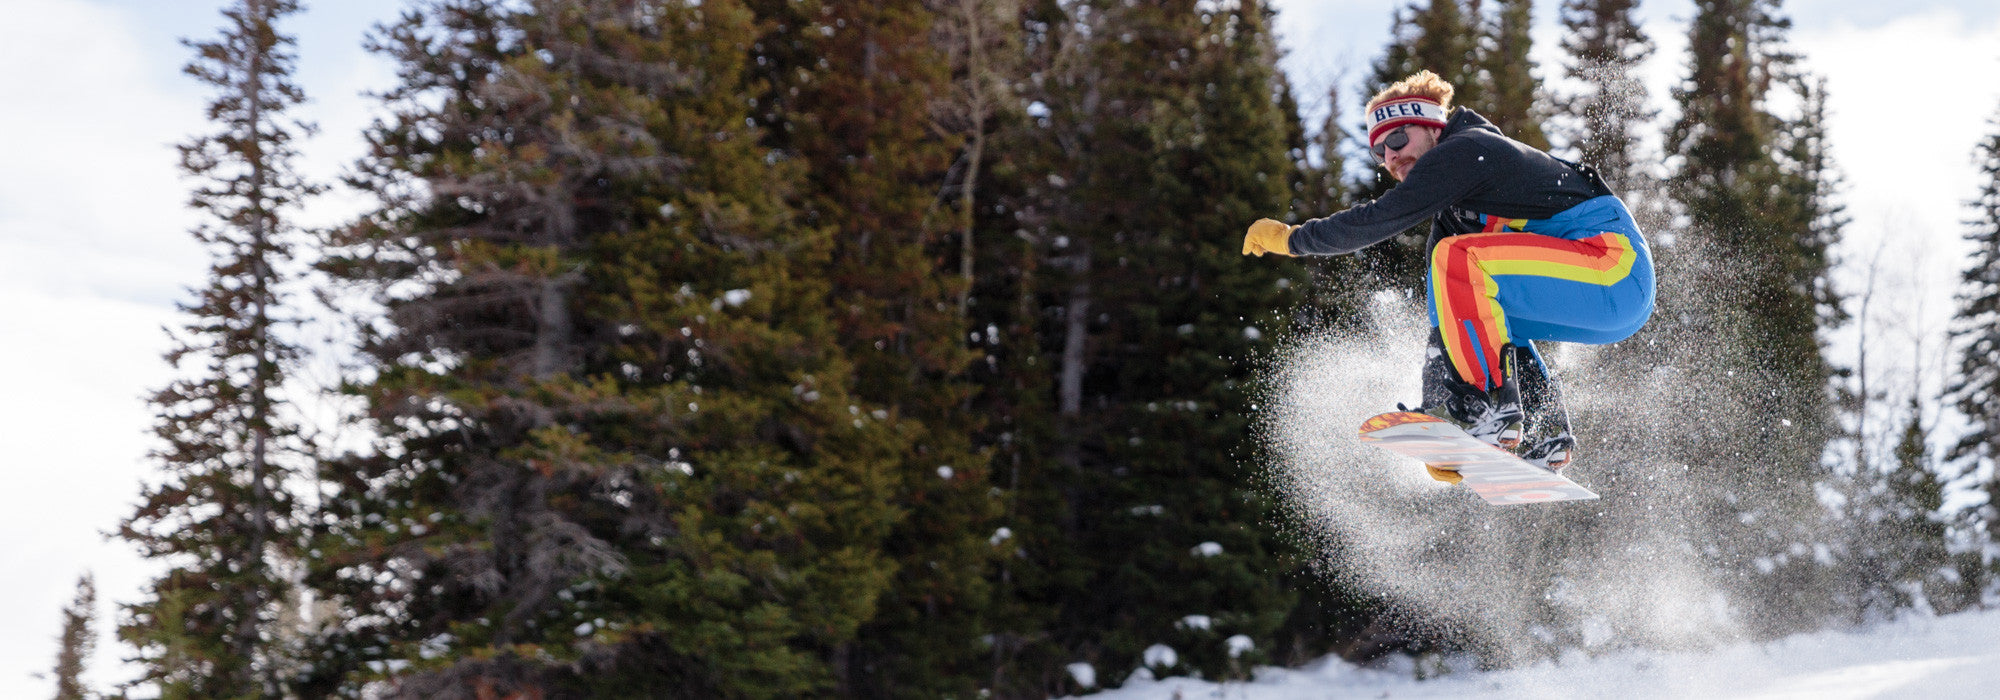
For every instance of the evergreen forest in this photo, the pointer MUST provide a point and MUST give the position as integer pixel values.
(902, 349)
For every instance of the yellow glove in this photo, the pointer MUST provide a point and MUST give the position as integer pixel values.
(1449, 476)
(1268, 236)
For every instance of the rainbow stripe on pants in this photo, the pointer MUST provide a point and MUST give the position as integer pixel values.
(1582, 276)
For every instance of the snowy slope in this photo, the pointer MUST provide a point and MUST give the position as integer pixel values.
(1956, 656)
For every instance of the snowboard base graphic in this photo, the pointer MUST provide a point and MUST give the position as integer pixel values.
(1497, 475)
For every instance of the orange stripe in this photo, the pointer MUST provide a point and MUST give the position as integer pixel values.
(1588, 253)
(1445, 291)
(1467, 294)
(1460, 275)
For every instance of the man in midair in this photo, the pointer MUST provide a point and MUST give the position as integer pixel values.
(1523, 247)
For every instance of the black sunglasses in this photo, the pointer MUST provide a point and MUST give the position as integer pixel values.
(1395, 140)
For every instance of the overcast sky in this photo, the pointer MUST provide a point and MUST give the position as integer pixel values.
(94, 251)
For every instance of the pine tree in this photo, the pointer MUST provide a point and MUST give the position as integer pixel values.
(1605, 126)
(1901, 540)
(1444, 37)
(1339, 286)
(1317, 182)
(885, 105)
(1974, 390)
(77, 643)
(1155, 129)
(221, 518)
(1860, 519)
(1809, 208)
(1923, 571)
(1743, 306)
(1897, 552)
(621, 449)
(1018, 378)
(1336, 297)
(1512, 99)
(1812, 192)
(1606, 46)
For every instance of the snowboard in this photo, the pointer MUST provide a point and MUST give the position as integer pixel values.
(1496, 475)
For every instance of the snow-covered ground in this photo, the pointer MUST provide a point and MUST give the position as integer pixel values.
(1956, 656)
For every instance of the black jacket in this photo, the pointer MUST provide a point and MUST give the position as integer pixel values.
(1472, 170)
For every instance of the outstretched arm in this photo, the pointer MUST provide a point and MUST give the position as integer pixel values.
(1441, 178)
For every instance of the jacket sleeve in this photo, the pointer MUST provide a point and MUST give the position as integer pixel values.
(1448, 173)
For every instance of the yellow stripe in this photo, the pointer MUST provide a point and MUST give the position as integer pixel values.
(1543, 268)
(1496, 316)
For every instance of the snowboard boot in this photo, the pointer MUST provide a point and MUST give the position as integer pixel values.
(1494, 416)
(1547, 443)
(1505, 420)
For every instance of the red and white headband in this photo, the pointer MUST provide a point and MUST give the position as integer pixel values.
(1404, 110)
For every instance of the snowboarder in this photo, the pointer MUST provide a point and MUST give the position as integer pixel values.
(1524, 246)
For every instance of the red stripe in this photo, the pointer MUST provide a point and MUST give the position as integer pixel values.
(1464, 306)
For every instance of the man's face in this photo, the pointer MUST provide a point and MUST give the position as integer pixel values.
(1398, 161)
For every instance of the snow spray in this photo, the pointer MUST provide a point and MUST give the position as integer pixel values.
(1514, 584)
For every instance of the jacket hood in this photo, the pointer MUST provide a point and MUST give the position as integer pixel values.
(1464, 119)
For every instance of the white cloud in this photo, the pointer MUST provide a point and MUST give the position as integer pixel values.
(90, 200)
(93, 247)
(1910, 99)
(74, 424)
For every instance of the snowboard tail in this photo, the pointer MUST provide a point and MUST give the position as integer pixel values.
(1496, 475)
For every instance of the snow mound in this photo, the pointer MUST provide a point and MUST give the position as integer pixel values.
(1952, 657)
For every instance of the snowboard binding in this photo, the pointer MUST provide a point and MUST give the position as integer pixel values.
(1494, 416)
(1524, 414)
(1551, 453)
(1487, 415)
